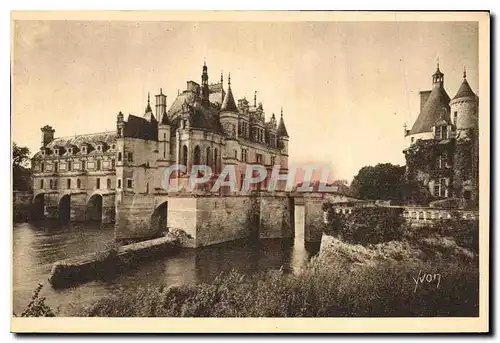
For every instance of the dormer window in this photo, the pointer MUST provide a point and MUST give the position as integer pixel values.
(99, 147)
(70, 151)
(56, 151)
(441, 132)
(84, 149)
(113, 146)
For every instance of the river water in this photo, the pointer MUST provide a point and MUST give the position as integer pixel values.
(38, 246)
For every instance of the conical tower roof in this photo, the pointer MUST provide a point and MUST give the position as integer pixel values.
(229, 104)
(437, 104)
(281, 127)
(464, 90)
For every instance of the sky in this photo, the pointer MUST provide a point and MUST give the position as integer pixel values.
(347, 88)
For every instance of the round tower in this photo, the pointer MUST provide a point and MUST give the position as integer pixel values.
(228, 115)
(283, 142)
(464, 110)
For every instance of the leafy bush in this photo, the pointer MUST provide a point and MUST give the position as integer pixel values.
(37, 306)
(331, 285)
(464, 231)
(366, 225)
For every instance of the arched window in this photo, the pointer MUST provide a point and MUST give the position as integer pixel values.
(184, 155)
(197, 155)
(78, 183)
(216, 160)
(209, 158)
(108, 183)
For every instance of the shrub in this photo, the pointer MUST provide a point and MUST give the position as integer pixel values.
(366, 225)
(464, 231)
(37, 306)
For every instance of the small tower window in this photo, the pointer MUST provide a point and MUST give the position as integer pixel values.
(98, 183)
(56, 151)
(108, 183)
(51, 184)
(41, 183)
(455, 115)
(84, 149)
(69, 165)
(70, 151)
(68, 183)
(78, 183)
(113, 146)
(113, 165)
(98, 148)
(98, 164)
(119, 183)
(83, 165)
(42, 167)
(119, 157)
(56, 166)
(130, 157)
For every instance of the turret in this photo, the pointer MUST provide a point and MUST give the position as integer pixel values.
(120, 125)
(164, 127)
(463, 108)
(47, 135)
(205, 92)
(161, 105)
(228, 115)
(438, 78)
(283, 141)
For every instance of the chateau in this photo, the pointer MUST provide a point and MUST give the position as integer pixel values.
(442, 157)
(121, 174)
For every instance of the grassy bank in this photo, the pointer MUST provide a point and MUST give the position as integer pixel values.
(427, 272)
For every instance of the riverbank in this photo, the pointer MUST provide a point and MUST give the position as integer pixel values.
(343, 280)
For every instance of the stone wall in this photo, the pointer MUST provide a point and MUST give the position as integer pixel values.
(133, 217)
(276, 216)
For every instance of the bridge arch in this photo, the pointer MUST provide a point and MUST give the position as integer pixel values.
(93, 210)
(64, 208)
(159, 218)
(38, 207)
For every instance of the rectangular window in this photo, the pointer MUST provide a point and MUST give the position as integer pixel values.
(113, 163)
(56, 166)
(98, 165)
(443, 187)
(83, 165)
(130, 157)
(455, 115)
(273, 160)
(235, 154)
(129, 183)
(55, 183)
(41, 183)
(42, 167)
(119, 183)
(98, 183)
(258, 157)
(444, 132)
(69, 165)
(68, 183)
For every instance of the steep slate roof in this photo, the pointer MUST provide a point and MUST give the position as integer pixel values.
(138, 127)
(282, 128)
(464, 91)
(201, 117)
(437, 104)
(108, 137)
(229, 104)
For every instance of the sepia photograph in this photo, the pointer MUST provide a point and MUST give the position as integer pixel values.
(318, 166)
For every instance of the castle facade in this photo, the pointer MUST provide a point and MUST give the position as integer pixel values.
(87, 176)
(442, 157)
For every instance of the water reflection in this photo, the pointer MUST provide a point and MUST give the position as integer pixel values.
(37, 246)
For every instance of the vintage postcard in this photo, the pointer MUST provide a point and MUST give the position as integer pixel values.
(281, 171)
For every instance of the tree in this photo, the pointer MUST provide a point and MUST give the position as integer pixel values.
(381, 182)
(21, 174)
